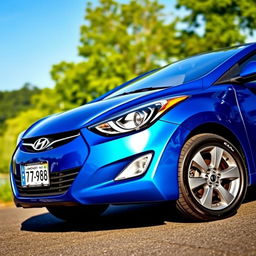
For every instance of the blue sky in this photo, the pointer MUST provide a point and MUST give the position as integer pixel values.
(35, 34)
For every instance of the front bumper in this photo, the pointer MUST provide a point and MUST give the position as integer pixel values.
(100, 159)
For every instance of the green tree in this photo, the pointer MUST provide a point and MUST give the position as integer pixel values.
(13, 102)
(212, 24)
(13, 127)
(118, 42)
(121, 40)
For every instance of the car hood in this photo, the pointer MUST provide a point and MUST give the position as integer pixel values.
(99, 110)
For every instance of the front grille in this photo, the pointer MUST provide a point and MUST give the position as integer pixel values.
(54, 140)
(60, 182)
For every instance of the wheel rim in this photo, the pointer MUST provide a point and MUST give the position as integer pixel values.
(214, 178)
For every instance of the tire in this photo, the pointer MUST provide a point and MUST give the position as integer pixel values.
(77, 213)
(212, 178)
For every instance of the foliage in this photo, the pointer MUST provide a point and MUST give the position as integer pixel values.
(13, 127)
(5, 192)
(118, 41)
(13, 102)
(214, 24)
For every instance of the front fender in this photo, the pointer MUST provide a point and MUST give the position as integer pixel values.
(216, 105)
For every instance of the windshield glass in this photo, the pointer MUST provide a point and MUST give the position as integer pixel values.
(179, 72)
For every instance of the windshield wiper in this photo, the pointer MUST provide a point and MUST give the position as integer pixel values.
(143, 90)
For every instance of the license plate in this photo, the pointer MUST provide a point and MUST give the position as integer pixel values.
(35, 175)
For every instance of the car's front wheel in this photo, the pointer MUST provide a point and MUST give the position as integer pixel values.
(77, 213)
(212, 178)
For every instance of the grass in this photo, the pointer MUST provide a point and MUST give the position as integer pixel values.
(5, 193)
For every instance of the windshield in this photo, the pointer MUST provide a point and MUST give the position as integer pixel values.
(179, 72)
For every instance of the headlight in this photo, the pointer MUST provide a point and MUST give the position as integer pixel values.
(20, 137)
(138, 119)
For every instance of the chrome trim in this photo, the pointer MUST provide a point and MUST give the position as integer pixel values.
(50, 144)
(41, 144)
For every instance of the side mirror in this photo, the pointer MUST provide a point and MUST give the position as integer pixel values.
(247, 74)
(249, 71)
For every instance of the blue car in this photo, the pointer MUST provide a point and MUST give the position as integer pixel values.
(182, 133)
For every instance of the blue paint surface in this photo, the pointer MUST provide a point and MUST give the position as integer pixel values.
(101, 158)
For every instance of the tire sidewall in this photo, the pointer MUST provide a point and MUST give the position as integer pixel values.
(201, 142)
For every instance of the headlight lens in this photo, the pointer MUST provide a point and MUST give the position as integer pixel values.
(137, 119)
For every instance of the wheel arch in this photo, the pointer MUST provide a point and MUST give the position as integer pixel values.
(217, 129)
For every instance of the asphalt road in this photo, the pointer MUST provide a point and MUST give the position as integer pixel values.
(133, 230)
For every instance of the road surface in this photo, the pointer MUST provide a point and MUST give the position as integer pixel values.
(133, 230)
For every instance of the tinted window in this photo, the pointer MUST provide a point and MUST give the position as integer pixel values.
(235, 70)
(180, 72)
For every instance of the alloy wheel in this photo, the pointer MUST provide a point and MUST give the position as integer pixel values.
(214, 178)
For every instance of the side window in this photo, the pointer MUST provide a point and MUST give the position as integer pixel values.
(252, 58)
(235, 70)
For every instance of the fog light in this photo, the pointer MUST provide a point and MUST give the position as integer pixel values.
(135, 168)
